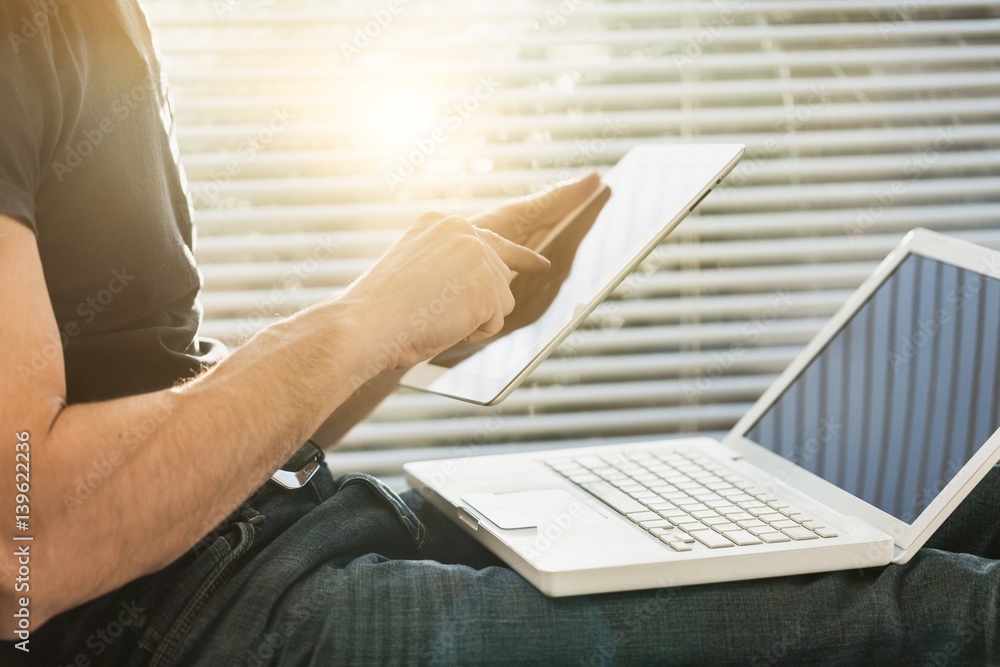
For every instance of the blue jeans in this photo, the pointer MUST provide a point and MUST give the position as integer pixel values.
(346, 572)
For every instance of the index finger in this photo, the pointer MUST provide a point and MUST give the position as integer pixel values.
(516, 257)
(556, 202)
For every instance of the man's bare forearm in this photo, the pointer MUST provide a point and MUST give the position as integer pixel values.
(171, 464)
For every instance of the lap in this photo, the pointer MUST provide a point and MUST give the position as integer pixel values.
(366, 578)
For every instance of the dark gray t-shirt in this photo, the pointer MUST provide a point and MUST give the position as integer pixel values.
(88, 159)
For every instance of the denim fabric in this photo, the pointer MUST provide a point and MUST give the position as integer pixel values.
(347, 572)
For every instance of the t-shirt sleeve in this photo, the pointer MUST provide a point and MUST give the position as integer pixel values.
(25, 70)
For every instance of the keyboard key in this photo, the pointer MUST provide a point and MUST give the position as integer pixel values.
(657, 523)
(728, 509)
(692, 526)
(786, 523)
(666, 530)
(826, 532)
(590, 461)
(810, 523)
(799, 533)
(583, 478)
(752, 523)
(725, 527)
(660, 505)
(679, 546)
(742, 538)
(704, 514)
(738, 516)
(773, 516)
(643, 516)
(711, 539)
(613, 497)
(761, 530)
(630, 487)
(772, 538)
(672, 512)
(714, 520)
(790, 510)
(750, 504)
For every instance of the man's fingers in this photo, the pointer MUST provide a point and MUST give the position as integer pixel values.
(557, 203)
(490, 328)
(516, 257)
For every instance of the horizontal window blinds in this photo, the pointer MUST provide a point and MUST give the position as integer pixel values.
(313, 132)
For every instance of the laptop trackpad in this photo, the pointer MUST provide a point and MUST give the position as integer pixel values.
(531, 509)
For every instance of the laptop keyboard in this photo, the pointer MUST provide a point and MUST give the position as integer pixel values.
(683, 498)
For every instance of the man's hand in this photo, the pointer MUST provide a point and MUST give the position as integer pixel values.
(526, 220)
(444, 281)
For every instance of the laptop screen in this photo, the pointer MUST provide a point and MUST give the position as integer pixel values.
(904, 394)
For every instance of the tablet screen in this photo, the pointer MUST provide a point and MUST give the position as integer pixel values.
(649, 189)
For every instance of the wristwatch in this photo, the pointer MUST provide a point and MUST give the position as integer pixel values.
(299, 469)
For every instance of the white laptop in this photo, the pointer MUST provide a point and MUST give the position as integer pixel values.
(853, 457)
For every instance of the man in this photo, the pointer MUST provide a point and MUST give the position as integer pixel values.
(157, 538)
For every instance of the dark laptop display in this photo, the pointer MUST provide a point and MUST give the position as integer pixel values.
(904, 395)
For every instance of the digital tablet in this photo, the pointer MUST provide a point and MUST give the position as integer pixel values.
(645, 196)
